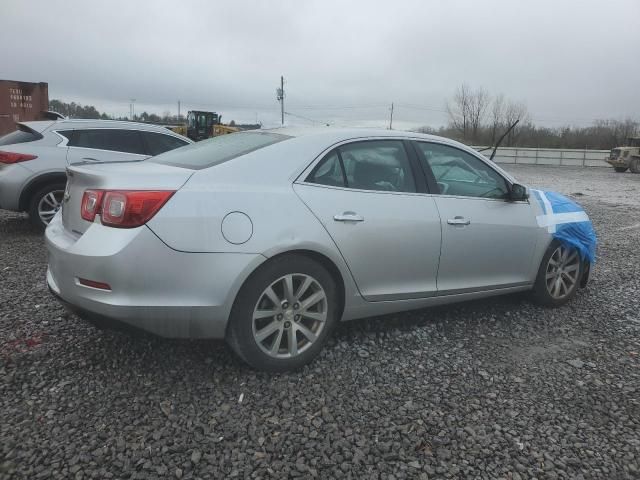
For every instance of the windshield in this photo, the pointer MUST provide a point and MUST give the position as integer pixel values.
(217, 150)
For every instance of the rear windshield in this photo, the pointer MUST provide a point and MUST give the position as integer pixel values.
(217, 150)
(22, 135)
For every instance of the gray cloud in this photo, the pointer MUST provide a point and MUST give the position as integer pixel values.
(570, 61)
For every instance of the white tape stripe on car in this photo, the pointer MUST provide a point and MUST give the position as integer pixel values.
(547, 204)
(548, 210)
(559, 218)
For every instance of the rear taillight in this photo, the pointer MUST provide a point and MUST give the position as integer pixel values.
(12, 157)
(123, 208)
(91, 201)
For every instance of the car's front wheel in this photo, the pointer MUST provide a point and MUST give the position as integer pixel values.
(634, 165)
(558, 276)
(283, 314)
(45, 203)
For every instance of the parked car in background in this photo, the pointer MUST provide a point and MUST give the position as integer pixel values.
(33, 158)
(269, 238)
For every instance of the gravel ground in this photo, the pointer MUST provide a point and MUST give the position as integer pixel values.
(490, 389)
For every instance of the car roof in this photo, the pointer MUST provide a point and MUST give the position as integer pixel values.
(41, 126)
(335, 134)
(285, 160)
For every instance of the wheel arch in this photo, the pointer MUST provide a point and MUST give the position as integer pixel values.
(333, 270)
(314, 255)
(36, 184)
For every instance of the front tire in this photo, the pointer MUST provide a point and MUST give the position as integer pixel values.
(283, 314)
(45, 203)
(620, 169)
(559, 275)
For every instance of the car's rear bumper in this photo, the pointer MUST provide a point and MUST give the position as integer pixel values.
(153, 288)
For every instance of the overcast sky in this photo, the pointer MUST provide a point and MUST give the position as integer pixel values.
(344, 62)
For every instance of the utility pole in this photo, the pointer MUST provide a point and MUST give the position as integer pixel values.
(178, 108)
(280, 97)
(132, 108)
(391, 118)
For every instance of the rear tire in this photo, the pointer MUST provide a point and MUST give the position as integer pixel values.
(283, 314)
(634, 165)
(620, 169)
(45, 203)
(559, 275)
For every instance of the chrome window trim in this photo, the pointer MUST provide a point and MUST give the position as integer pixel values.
(420, 194)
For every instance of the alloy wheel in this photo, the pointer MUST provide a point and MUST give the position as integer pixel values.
(562, 272)
(290, 315)
(49, 205)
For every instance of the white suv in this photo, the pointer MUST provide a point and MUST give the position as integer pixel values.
(33, 159)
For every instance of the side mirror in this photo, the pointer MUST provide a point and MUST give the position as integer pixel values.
(518, 193)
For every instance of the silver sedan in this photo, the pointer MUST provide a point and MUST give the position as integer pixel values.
(269, 238)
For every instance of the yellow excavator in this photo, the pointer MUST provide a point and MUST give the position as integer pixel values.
(202, 125)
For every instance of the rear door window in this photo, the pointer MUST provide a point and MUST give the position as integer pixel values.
(381, 165)
(117, 140)
(22, 135)
(158, 143)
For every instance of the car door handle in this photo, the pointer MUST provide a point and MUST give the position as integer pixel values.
(348, 217)
(458, 221)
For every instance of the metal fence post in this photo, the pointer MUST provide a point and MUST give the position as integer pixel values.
(584, 157)
(537, 148)
(561, 151)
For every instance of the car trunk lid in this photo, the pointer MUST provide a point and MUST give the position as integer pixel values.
(114, 176)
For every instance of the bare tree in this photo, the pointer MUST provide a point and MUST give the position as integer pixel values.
(467, 109)
(515, 111)
(497, 116)
(479, 100)
(459, 109)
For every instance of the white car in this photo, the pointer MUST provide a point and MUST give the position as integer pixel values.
(33, 158)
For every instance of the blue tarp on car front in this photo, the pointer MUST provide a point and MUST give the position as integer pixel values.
(567, 222)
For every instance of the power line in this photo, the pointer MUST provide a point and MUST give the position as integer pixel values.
(338, 107)
(421, 107)
(306, 118)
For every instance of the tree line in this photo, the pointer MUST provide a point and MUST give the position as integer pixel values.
(76, 110)
(478, 118)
